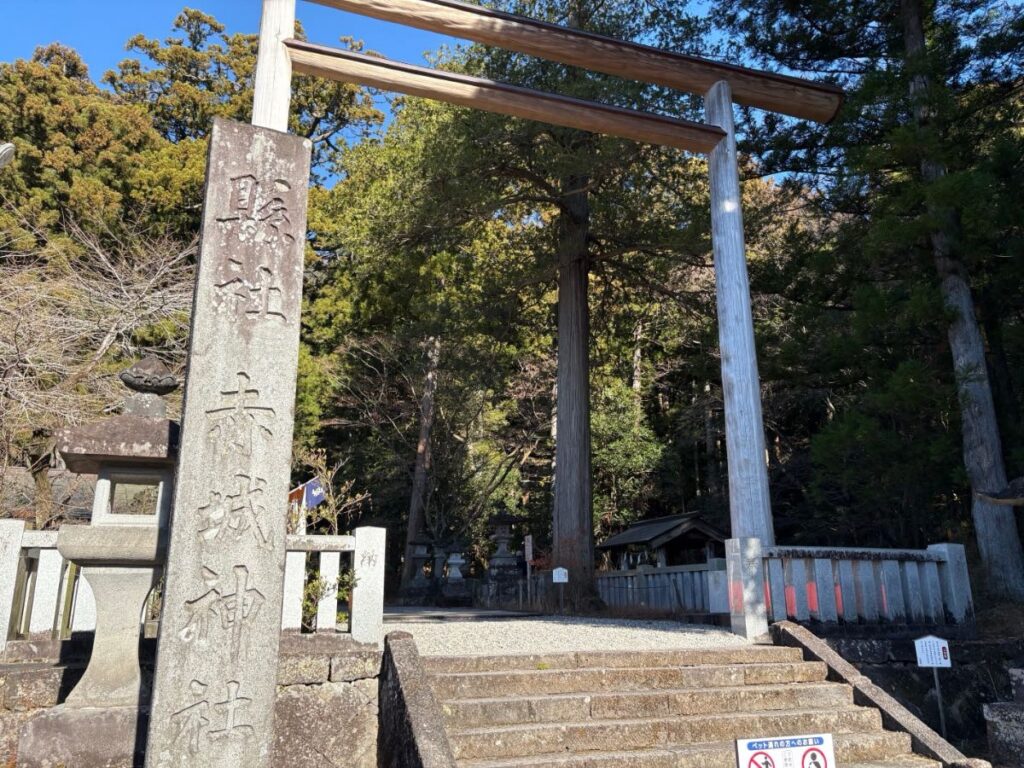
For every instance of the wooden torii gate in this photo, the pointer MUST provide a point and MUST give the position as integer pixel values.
(721, 84)
(214, 689)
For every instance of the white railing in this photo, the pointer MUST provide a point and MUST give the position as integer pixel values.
(674, 589)
(836, 585)
(821, 586)
(366, 615)
(41, 594)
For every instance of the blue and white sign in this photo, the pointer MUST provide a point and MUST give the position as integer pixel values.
(812, 751)
(313, 493)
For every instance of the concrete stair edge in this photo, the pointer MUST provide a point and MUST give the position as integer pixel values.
(471, 684)
(880, 749)
(676, 657)
(601, 705)
(647, 733)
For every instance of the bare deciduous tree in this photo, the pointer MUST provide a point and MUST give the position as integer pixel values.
(71, 316)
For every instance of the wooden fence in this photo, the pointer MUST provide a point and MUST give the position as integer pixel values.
(675, 589)
(868, 586)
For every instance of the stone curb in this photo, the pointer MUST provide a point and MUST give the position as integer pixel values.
(412, 728)
(895, 716)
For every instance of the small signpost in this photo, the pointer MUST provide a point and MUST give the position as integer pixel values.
(560, 576)
(528, 556)
(933, 652)
(812, 751)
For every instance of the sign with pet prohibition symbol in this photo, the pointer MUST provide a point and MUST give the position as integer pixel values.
(811, 751)
(814, 758)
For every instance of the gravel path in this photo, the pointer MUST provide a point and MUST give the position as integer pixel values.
(459, 636)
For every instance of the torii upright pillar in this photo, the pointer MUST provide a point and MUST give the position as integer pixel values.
(749, 500)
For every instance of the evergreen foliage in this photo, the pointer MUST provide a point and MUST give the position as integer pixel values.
(433, 257)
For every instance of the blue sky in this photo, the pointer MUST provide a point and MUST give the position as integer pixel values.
(98, 29)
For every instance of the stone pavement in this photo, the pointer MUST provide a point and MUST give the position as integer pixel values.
(467, 631)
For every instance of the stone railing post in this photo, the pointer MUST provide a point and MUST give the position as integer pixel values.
(294, 587)
(46, 594)
(327, 609)
(10, 551)
(956, 584)
(367, 620)
(294, 582)
(744, 567)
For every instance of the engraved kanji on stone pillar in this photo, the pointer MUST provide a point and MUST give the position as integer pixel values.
(214, 694)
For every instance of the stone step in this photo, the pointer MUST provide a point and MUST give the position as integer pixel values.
(682, 657)
(575, 707)
(875, 749)
(647, 733)
(466, 685)
(26, 686)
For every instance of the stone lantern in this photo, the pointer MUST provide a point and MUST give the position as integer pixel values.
(133, 456)
(502, 565)
(455, 590)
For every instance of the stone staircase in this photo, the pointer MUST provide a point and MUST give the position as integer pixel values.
(650, 709)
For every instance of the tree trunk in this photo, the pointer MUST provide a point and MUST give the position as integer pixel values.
(37, 458)
(638, 358)
(1007, 404)
(419, 475)
(994, 525)
(712, 467)
(45, 504)
(573, 526)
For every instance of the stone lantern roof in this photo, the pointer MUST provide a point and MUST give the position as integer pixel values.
(504, 518)
(141, 435)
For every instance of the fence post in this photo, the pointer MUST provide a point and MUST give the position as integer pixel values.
(956, 584)
(10, 552)
(46, 599)
(825, 591)
(327, 608)
(294, 587)
(367, 620)
(745, 573)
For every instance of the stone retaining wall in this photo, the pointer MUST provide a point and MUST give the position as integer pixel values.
(412, 732)
(897, 688)
(979, 676)
(326, 710)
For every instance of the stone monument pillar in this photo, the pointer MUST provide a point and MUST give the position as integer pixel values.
(216, 670)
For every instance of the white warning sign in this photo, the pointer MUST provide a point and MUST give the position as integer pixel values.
(813, 751)
(932, 651)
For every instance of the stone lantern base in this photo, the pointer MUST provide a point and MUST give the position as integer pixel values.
(103, 722)
(98, 737)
